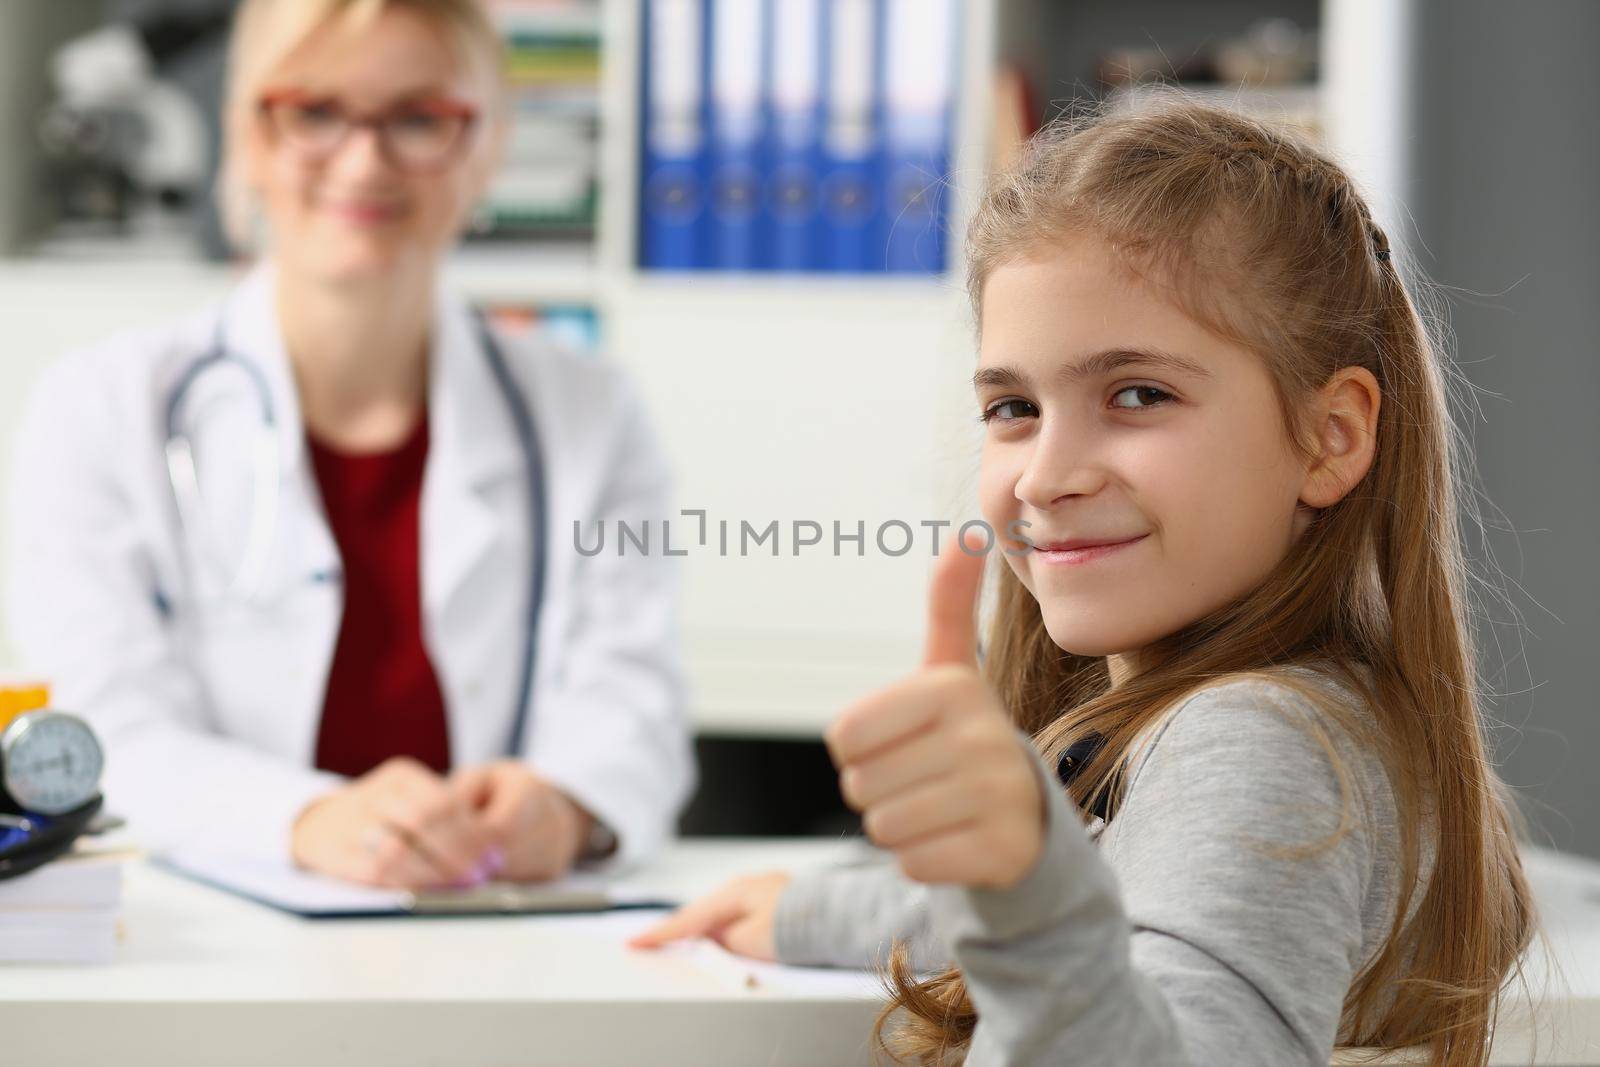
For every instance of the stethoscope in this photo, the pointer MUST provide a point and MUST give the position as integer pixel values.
(267, 490)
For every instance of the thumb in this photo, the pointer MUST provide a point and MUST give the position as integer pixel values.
(953, 604)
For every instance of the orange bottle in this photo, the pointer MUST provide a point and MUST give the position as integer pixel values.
(19, 697)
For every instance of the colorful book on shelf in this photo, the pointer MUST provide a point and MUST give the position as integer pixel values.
(573, 327)
(547, 187)
(549, 18)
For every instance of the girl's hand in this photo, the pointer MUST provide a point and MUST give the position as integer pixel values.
(400, 826)
(737, 916)
(536, 828)
(934, 763)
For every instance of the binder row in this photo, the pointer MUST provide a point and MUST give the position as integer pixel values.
(796, 135)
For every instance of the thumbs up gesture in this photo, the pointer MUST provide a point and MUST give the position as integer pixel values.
(934, 763)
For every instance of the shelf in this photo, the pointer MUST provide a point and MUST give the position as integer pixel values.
(169, 253)
(807, 293)
(1298, 104)
(519, 273)
(524, 274)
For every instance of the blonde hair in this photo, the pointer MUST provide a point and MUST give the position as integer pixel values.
(267, 32)
(1264, 240)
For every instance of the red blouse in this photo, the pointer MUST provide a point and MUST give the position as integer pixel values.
(383, 698)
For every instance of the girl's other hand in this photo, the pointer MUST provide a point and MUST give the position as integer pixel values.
(934, 763)
(738, 916)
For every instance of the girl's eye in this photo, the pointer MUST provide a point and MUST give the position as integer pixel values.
(1008, 411)
(1144, 396)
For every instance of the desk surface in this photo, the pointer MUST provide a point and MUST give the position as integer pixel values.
(200, 971)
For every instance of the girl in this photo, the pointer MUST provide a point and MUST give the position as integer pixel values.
(1235, 632)
(370, 705)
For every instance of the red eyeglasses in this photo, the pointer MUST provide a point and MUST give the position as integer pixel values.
(424, 134)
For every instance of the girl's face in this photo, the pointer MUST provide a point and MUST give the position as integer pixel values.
(396, 185)
(1113, 418)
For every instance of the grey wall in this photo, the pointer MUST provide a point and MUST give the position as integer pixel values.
(1503, 186)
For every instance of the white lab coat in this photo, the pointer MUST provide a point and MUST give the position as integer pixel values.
(209, 709)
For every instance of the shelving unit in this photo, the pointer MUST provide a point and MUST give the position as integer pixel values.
(795, 397)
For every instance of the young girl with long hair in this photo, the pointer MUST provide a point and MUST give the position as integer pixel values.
(1220, 792)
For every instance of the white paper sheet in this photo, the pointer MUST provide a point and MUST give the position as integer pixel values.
(752, 976)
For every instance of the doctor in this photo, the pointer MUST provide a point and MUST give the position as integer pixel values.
(306, 560)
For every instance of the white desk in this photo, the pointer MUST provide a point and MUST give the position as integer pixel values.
(206, 978)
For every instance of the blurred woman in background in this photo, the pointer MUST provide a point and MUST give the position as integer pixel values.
(301, 559)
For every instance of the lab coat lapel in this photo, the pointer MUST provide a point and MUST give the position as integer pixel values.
(471, 519)
(252, 331)
(472, 447)
(300, 654)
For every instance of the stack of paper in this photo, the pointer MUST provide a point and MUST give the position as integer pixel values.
(63, 912)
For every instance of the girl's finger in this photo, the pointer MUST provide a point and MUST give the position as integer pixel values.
(920, 812)
(889, 716)
(959, 856)
(699, 918)
(953, 605)
(749, 936)
(923, 757)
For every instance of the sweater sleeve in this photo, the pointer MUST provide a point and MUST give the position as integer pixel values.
(1220, 927)
(851, 916)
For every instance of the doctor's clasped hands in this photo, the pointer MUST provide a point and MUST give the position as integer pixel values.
(404, 826)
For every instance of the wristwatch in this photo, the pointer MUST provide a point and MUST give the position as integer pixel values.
(601, 842)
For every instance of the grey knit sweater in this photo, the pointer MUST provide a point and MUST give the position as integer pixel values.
(1183, 938)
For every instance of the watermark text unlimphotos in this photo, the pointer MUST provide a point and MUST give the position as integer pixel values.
(692, 531)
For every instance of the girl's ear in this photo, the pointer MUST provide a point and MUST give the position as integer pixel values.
(1346, 431)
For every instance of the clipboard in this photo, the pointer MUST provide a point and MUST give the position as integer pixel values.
(281, 886)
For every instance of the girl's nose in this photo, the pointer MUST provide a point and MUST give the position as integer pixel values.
(1063, 463)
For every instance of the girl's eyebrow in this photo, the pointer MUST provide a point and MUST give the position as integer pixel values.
(1101, 363)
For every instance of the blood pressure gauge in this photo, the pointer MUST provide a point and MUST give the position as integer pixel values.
(50, 763)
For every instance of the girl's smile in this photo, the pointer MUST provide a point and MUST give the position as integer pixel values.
(1072, 553)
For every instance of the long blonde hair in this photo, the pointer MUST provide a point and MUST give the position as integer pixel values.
(1264, 240)
(267, 32)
